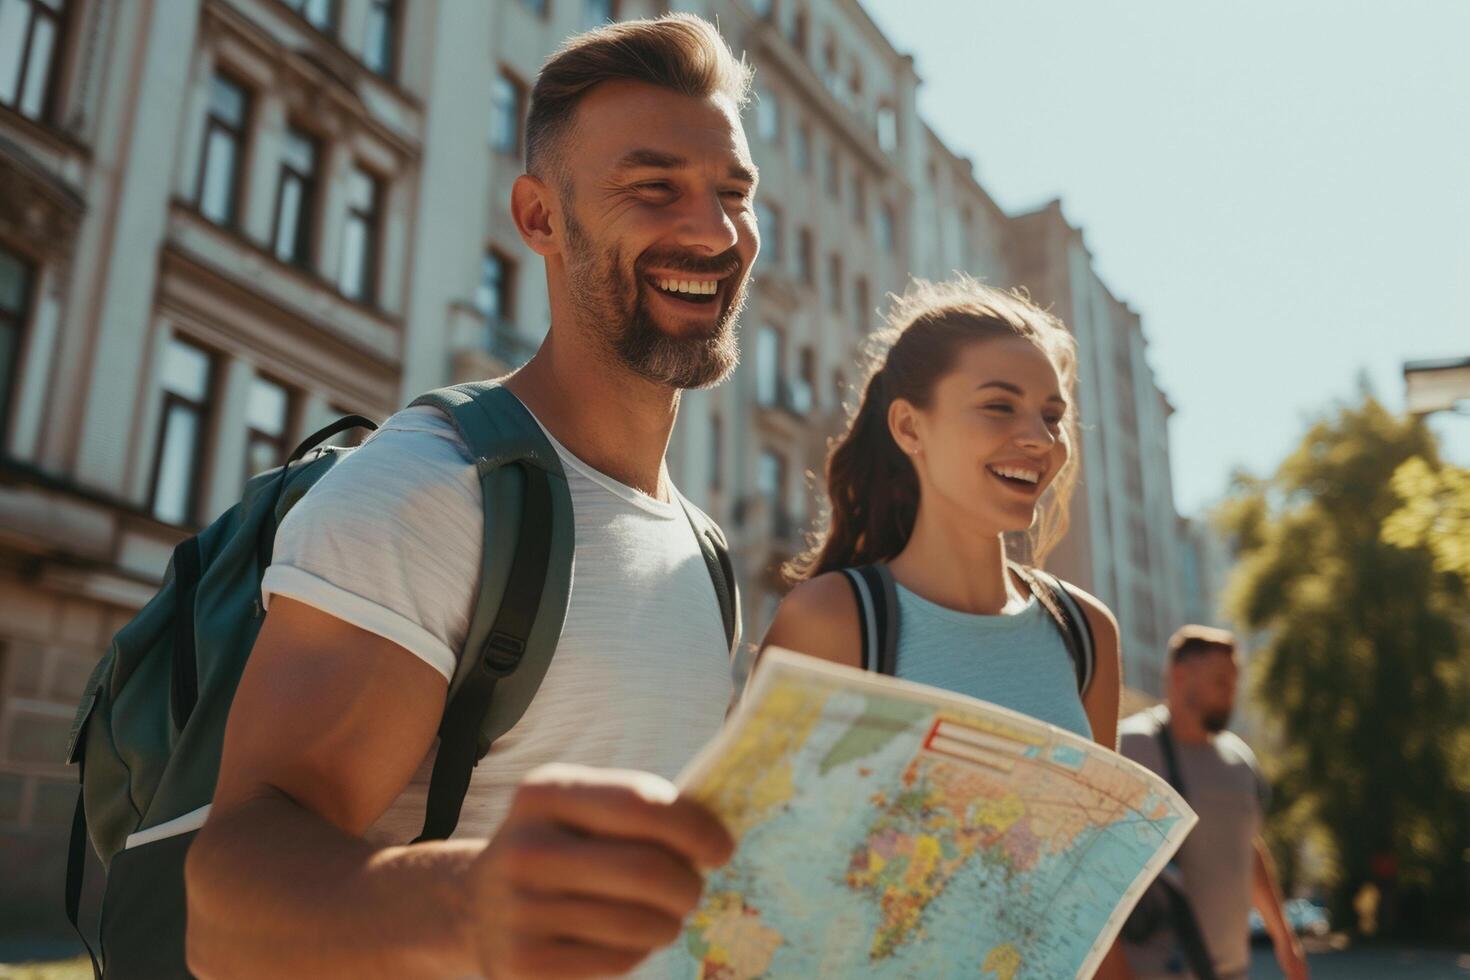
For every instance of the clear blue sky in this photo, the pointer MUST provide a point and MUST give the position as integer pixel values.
(1280, 187)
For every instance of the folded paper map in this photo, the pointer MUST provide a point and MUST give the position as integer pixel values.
(890, 829)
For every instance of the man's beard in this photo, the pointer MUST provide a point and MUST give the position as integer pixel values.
(1215, 722)
(612, 303)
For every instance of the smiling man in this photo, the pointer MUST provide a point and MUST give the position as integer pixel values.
(638, 196)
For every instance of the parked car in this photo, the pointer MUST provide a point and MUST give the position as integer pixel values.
(1305, 917)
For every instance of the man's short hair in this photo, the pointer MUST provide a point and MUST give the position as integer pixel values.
(1193, 641)
(679, 51)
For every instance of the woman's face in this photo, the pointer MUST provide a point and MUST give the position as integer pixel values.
(991, 440)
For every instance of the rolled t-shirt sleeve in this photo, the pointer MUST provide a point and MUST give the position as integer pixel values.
(389, 540)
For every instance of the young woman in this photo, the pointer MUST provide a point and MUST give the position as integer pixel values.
(965, 433)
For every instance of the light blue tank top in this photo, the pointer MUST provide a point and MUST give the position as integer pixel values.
(1016, 661)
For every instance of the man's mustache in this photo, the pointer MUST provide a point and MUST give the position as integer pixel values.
(727, 263)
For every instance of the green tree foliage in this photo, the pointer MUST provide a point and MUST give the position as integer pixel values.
(1362, 660)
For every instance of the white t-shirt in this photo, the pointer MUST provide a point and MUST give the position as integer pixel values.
(390, 541)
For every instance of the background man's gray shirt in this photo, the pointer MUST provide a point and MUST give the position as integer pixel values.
(1223, 785)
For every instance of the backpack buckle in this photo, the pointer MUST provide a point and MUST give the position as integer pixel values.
(502, 652)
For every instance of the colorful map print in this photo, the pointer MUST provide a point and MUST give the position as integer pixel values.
(892, 830)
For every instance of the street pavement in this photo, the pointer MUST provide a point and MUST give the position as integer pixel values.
(1371, 964)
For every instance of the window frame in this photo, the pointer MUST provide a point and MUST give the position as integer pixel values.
(20, 320)
(60, 20)
(242, 147)
(373, 220)
(282, 442)
(518, 134)
(307, 213)
(204, 413)
(389, 70)
(334, 16)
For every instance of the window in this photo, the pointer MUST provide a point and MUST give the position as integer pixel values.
(834, 175)
(762, 8)
(492, 297)
(296, 200)
(378, 43)
(768, 221)
(886, 124)
(537, 7)
(806, 258)
(767, 365)
(886, 228)
(595, 13)
(507, 101)
(357, 278)
(771, 485)
(29, 30)
(834, 280)
(318, 13)
(767, 116)
(15, 301)
(187, 378)
(860, 300)
(224, 146)
(803, 392)
(801, 150)
(859, 199)
(799, 31)
(267, 416)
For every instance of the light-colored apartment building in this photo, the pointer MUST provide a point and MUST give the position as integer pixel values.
(225, 222)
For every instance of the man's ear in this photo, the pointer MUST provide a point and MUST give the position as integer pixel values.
(533, 203)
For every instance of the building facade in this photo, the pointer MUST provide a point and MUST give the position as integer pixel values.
(225, 222)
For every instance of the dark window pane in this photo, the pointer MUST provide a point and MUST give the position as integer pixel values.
(266, 410)
(216, 197)
(491, 295)
(186, 371)
(38, 68)
(227, 101)
(377, 49)
(288, 219)
(15, 18)
(354, 258)
(176, 464)
(505, 114)
(15, 284)
(300, 153)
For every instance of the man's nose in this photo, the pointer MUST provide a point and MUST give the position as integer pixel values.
(705, 225)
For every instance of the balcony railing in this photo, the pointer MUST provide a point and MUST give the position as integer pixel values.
(507, 344)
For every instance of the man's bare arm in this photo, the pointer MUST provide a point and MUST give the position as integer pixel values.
(1266, 897)
(327, 727)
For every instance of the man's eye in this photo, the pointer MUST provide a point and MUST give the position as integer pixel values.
(656, 185)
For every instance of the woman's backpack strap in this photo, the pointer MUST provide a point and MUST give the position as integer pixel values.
(1066, 612)
(877, 601)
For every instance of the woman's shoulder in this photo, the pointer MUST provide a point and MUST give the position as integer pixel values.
(819, 617)
(1100, 618)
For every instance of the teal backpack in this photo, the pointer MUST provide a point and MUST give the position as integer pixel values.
(150, 726)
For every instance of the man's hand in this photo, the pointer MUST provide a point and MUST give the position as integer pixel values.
(592, 871)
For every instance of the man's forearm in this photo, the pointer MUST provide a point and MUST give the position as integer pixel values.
(275, 890)
(1267, 899)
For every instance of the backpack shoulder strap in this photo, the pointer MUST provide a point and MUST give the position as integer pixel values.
(716, 552)
(525, 580)
(877, 601)
(1068, 616)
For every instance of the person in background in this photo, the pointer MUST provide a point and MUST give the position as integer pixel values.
(1226, 869)
(966, 432)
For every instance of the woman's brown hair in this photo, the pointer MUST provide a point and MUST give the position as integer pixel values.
(872, 488)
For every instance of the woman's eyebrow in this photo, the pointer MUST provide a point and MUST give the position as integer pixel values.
(1016, 390)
